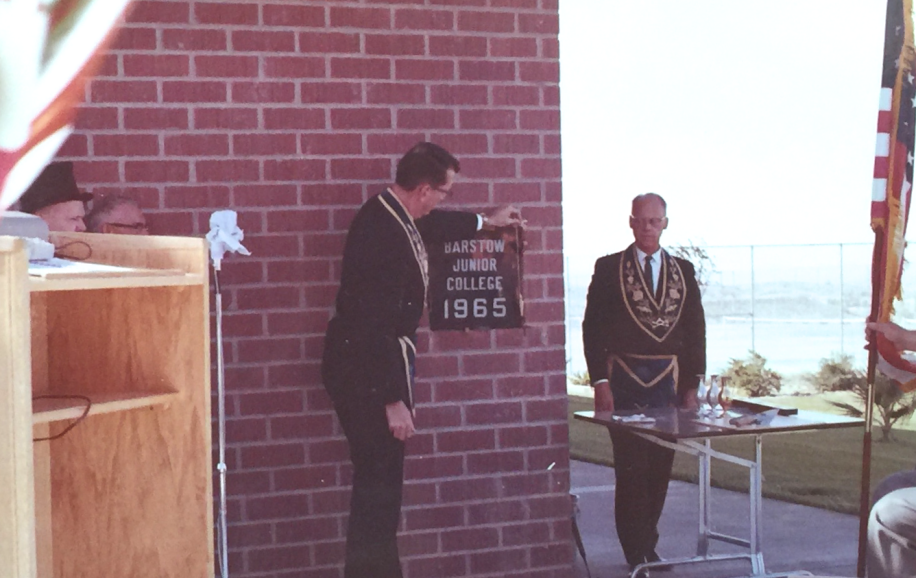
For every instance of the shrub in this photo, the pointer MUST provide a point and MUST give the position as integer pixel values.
(579, 378)
(836, 374)
(891, 404)
(751, 376)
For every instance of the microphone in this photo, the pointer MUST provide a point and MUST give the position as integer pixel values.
(225, 236)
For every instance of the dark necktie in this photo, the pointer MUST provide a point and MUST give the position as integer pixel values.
(647, 272)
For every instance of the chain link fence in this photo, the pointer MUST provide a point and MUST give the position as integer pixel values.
(792, 304)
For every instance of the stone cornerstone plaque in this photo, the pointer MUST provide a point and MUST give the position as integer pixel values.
(476, 283)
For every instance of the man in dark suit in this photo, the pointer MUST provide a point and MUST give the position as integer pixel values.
(645, 343)
(368, 364)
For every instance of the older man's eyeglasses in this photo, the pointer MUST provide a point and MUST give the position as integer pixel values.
(654, 222)
(445, 192)
(132, 226)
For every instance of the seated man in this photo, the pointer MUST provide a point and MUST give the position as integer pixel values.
(55, 198)
(116, 213)
(892, 523)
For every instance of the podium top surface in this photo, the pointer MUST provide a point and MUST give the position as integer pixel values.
(98, 261)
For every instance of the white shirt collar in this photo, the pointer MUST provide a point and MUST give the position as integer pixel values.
(641, 255)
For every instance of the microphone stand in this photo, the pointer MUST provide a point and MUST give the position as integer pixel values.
(224, 236)
(222, 539)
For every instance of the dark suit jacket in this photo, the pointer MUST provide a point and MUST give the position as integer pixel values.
(609, 329)
(381, 299)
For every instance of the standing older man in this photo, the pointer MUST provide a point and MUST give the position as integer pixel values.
(368, 364)
(645, 342)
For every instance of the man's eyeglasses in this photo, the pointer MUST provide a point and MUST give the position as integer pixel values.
(655, 222)
(443, 191)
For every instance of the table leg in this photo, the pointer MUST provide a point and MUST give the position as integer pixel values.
(756, 495)
(705, 454)
(703, 465)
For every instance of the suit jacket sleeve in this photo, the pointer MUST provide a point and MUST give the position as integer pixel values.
(692, 360)
(596, 321)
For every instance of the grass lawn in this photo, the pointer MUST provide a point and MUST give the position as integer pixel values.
(820, 468)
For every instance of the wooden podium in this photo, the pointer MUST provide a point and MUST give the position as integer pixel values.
(127, 492)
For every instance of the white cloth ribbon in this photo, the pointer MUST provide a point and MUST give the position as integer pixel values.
(224, 236)
(637, 418)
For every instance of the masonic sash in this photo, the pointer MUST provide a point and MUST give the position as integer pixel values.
(656, 316)
(394, 206)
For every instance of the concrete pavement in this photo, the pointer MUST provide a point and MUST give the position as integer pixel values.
(794, 537)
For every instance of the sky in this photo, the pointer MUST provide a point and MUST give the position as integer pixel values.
(756, 120)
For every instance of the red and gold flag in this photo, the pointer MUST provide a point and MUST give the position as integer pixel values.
(48, 51)
(893, 184)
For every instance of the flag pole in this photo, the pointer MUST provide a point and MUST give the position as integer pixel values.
(893, 174)
(865, 490)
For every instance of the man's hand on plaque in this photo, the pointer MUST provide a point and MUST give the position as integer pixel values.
(604, 400)
(400, 422)
(508, 216)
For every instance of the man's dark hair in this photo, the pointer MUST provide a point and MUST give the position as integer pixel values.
(646, 197)
(425, 163)
(103, 207)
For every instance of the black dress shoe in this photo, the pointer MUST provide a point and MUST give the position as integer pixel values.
(653, 557)
(633, 565)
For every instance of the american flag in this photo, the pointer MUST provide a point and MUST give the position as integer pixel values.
(894, 178)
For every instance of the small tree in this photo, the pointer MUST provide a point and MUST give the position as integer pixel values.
(891, 404)
(751, 376)
(699, 257)
(836, 374)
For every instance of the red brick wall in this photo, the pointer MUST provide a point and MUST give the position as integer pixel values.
(293, 114)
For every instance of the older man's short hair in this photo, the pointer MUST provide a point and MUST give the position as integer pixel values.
(646, 197)
(103, 207)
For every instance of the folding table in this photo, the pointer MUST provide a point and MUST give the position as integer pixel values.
(684, 431)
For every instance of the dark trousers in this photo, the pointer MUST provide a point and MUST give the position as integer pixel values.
(642, 470)
(375, 502)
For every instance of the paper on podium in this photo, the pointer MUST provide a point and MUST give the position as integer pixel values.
(56, 268)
